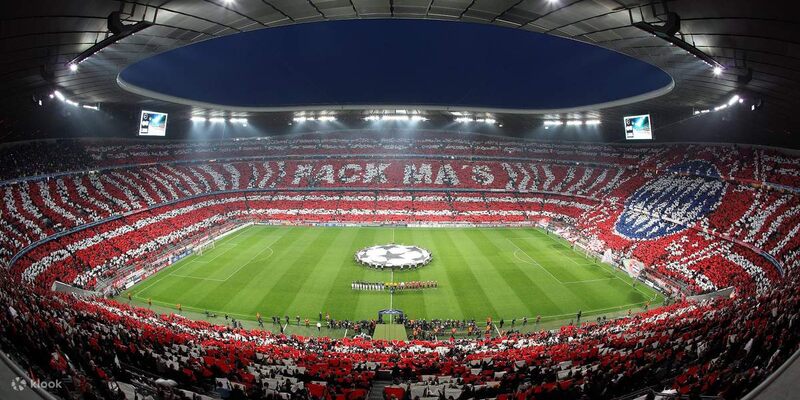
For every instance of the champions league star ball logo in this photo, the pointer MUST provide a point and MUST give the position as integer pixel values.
(393, 256)
(689, 197)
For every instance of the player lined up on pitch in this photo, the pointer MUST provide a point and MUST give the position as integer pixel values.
(393, 286)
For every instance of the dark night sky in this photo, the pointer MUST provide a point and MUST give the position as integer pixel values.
(391, 62)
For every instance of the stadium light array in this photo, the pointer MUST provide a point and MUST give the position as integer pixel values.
(467, 120)
(572, 122)
(717, 71)
(396, 118)
(234, 120)
(118, 30)
(736, 99)
(310, 118)
(56, 94)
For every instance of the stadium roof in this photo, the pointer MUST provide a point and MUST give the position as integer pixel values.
(38, 38)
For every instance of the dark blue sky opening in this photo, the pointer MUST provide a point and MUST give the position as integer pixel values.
(395, 62)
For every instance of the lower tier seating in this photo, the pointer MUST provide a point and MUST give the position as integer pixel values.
(719, 347)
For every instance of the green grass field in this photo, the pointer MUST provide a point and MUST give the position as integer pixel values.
(500, 272)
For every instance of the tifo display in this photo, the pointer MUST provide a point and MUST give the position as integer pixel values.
(195, 242)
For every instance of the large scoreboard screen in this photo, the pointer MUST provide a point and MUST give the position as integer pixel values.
(153, 124)
(638, 127)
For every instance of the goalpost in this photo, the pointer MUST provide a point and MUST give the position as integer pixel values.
(204, 247)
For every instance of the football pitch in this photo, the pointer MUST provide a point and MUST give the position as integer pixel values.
(303, 271)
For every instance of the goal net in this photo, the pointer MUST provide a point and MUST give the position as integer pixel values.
(199, 250)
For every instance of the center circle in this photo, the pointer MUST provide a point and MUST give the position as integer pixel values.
(393, 256)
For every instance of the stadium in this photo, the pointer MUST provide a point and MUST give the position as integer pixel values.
(399, 199)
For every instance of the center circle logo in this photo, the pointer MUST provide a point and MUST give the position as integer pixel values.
(393, 256)
(685, 193)
(18, 384)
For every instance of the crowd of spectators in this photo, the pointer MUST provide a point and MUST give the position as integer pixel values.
(720, 347)
(747, 164)
(698, 215)
(41, 157)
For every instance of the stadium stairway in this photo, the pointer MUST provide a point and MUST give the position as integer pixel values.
(376, 390)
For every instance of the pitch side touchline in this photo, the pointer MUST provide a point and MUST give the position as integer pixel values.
(197, 277)
(587, 281)
(190, 308)
(555, 316)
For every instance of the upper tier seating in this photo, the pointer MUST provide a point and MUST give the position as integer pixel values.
(659, 219)
(744, 164)
(34, 210)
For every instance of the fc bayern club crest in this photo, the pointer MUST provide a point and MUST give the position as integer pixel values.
(682, 194)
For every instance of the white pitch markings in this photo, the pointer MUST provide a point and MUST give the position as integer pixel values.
(268, 247)
(531, 260)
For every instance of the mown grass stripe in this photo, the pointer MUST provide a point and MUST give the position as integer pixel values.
(312, 268)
